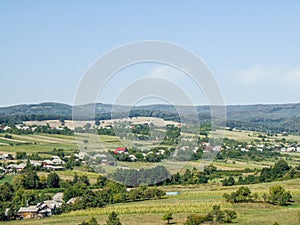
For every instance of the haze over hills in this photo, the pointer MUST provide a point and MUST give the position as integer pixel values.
(263, 117)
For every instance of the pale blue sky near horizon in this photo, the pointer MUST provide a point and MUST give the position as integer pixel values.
(253, 47)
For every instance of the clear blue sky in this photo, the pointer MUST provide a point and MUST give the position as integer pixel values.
(253, 47)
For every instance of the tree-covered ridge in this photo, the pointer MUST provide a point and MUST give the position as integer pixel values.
(270, 118)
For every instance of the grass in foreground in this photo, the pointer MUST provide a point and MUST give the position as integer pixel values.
(193, 199)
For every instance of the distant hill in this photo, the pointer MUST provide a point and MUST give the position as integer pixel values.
(269, 117)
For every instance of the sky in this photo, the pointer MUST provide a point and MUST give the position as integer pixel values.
(252, 47)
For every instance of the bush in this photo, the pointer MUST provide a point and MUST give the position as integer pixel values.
(215, 215)
(194, 219)
(168, 217)
(243, 194)
(92, 221)
(278, 196)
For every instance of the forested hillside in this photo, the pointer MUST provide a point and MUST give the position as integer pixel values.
(270, 118)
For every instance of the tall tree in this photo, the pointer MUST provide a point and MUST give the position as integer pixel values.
(53, 180)
(113, 219)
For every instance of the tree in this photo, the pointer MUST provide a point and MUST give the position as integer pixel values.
(6, 192)
(194, 219)
(92, 221)
(243, 194)
(28, 180)
(101, 181)
(72, 191)
(280, 168)
(62, 121)
(210, 169)
(97, 122)
(87, 126)
(113, 219)
(278, 195)
(216, 214)
(168, 217)
(21, 155)
(228, 182)
(75, 179)
(53, 180)
(229, 216)
(84, 179)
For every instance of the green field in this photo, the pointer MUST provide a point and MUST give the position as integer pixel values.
(193, 199)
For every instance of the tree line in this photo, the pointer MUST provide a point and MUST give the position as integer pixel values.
(280, 170)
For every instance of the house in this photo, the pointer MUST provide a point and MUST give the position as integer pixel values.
(50, 167)
(56, 160)
(48, 208)
(283, 149)
(132, 157)
(15, 167)
(213, 148)
(291, 149)
(47, 162)
(36, 163)
(4, 157)
(2, 169)
(80, 155)
(29, 212)
(120, 150)
(42, 209)
(6, 128)
(51, 163)
(58, 197)
(108, 163)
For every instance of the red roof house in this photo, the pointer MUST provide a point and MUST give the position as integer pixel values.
(120, 150)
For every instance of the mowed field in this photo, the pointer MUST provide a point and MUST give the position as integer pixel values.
(72, 124)
(192, 199)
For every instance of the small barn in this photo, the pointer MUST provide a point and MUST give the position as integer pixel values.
(29, 212)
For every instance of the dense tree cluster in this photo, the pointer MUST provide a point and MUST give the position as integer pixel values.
(280, 170)
(45, 129)
(132, 177)
(172, 135)
(216, 215)
(252, 154)
(141, 129)
(277, 195)
(159, 176)
(110, 193)
(193, 176)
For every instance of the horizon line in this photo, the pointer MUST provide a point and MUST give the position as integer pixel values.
(150, 104)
